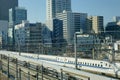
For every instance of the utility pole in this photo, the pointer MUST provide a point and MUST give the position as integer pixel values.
(16, 68)
(113, 51)
(8, 67)
(75, 47)
(19, 47)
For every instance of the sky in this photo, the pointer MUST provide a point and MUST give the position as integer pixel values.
(108, 8)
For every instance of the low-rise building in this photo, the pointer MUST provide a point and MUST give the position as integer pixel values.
(28, 35)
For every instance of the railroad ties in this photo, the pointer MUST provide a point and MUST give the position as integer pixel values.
(21, 68)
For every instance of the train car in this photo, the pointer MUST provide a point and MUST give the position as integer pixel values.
(95, 66)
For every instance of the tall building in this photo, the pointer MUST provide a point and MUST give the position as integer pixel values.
(95, 23)
(56, 6)
(57, 34)
(5, 5)
(68, 28)
(80, 22)
(113, 29)
(89, 24)
(16, 15)
(53, 7)
(4, 31)
(116, 18)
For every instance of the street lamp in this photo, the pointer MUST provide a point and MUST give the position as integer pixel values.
(75, 47)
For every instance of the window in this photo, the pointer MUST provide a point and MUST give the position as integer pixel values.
(106, 64)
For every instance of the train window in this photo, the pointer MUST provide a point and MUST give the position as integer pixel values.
(68, 61)
(101, 65)
(106, 64)
(90, 64)
(98, 65)
(95, 64)
(109, 66)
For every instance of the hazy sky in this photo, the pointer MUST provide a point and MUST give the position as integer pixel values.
(107, 8)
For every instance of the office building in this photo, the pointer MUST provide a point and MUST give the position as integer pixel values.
(89, 24)
(1, 41)
(113, 29)
(4, 32)
(53, 7)
(80, 22)
(56, 6)
(57, 34)
(28, 35)
(116, 18)
(16, 15)
(5, 5)
(46, 34)
(97, 24)
(68, 28)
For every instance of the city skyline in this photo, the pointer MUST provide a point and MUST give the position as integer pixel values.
(37, 9)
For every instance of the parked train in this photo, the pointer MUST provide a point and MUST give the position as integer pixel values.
(96, 66)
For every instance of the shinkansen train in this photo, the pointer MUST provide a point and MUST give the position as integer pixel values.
(95, 66)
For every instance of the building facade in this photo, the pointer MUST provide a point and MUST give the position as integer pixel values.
(113, 29)
(28, 35)
(57, 34)
(68, 28)
(4, 32)
(53, 7)
(80, 22)
(97, 24)
(16, 15)
(56, 6)
(5, 5)
(116, 18)
(54, 10)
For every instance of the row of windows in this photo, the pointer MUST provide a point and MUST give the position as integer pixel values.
(84, 63)
(91, 64)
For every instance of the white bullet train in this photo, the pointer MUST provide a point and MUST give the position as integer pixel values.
(95, 66)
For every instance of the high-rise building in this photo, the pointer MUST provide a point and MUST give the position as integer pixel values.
(97, 24)
(54, 11)
(5, 5)
(57, 6)
(57, 34)
(3, 31)
(80, 22)
(16, 15)
(89, 24)
(113, 29)
(53, 7)
(68, 28)
(116, 18)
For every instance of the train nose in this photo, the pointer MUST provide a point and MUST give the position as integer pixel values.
(118, 74)
(117, 65)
